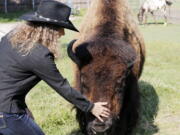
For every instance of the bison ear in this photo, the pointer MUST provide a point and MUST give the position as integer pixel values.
(83, 54)
(71, 54)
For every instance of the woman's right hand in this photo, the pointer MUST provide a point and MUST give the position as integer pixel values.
(99, 110)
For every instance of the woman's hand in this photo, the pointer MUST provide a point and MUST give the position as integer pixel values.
(100, 111)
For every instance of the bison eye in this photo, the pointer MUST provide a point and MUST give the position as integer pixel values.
(84, 83)
(119, 90)
(85, 88)
(120, 84)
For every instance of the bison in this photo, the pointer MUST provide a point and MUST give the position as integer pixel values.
(109, 56)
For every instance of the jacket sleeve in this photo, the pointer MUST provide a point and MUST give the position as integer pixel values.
(44, 67)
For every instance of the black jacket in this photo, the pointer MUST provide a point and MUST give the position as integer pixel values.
(19, 73)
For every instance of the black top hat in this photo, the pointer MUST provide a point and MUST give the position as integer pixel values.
(51, 12)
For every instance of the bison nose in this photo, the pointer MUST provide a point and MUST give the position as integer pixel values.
(100, 127)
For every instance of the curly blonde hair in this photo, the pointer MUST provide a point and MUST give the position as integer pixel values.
(26, 36)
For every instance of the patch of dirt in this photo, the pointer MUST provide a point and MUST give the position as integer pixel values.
(5, 28)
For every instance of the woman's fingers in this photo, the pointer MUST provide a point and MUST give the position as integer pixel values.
(99, 110)
(100, 119)
(104, 115)
(103, 103)
(106, 110)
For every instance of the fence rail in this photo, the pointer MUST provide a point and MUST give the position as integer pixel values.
(15, 5)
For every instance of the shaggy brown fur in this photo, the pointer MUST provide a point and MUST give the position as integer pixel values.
(110, 53)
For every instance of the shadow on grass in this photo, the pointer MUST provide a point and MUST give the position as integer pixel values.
(148, 111)
(11, 17)
(153, 23)
(75, 132)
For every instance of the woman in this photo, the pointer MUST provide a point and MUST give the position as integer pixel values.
(27, 56)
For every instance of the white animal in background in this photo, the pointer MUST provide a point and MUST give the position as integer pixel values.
(150, 6)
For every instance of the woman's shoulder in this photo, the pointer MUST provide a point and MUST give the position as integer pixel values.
(39, 57)
(40, 50)
(40, 53)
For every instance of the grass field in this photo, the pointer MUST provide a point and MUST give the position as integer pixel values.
(159, 86)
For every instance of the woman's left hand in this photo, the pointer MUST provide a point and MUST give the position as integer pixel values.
(99, 110)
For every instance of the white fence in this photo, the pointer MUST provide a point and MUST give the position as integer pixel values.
(134, 4)
(13, 5)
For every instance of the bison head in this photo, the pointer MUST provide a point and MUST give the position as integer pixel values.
(103, 77)
(104, 84)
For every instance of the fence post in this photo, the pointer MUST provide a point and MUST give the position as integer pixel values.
(70, 3)
(141, 2)
(33, 4)
(89, 3)
(5, 6)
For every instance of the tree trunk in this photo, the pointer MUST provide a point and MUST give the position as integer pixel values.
(88, 3)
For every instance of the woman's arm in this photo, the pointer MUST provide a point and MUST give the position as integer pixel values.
(41, 63)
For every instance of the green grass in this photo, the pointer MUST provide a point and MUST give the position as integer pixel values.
(159, 84)
(176, 4)
(159, 87)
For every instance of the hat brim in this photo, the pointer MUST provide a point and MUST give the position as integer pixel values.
(32, 17)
